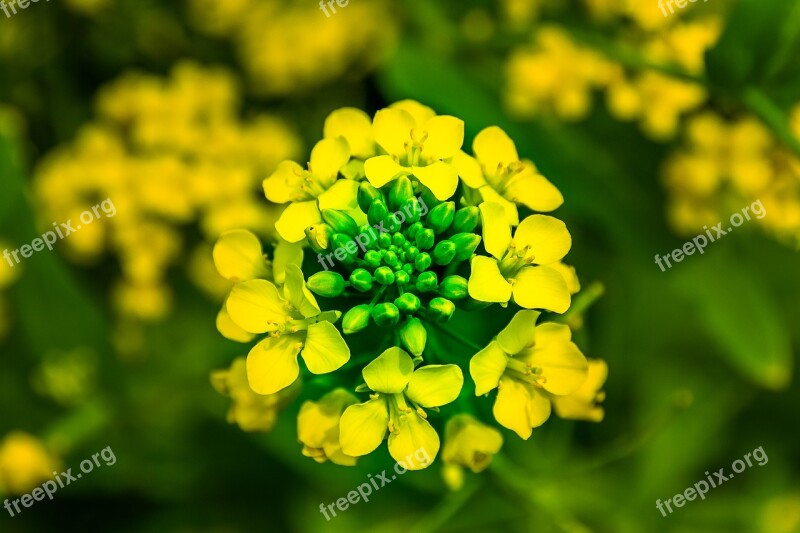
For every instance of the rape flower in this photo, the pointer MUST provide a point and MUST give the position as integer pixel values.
(249, 410)
(396, 384)
(417, 142)
(584, 403)
(526, 365)
(468, 444)
(520, 265)
(24, 463)
(310, 191)
(499, 176)
(296, 326)
(318, 427)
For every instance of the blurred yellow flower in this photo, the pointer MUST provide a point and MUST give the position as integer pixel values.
(249, 410)
(526, 365)
(318, 427)
(396, 384)
(470, 444)
(24, 463)
(584, 403)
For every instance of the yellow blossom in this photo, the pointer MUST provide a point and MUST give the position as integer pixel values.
(318, 427)
(584, 403)
(470, 444)
(24, 463)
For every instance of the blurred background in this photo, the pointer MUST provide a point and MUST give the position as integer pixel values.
(652, 119)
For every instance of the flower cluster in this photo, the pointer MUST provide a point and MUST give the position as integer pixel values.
(727, 162)
(286, 47)
(167, 153)
(410, 230)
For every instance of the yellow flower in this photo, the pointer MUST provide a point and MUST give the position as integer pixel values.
(396, 384)
(526, 365)
(520, 265)
(318, 427)
(295, 325)
(584, 403)
(356, 127)
(312, 190)
(24, 463)
(501, 177)
(469, 443)
(249, 410)
(417, 142)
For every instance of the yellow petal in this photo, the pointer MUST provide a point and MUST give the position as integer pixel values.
(470, 443)
(285, 254)
(298, 295)
(584, 403)
(325, 350)
(229, 329)
(487, 367)
(510, 407)
(389, 372)
(272, 364)
(496, 230)
(445, 137)
(355, 126)
(327, 157)
(490, 195)
(435, 385)
(486, 284)
(520, 333)
(414, 435)
(440, 177)
(493, 148)
(382, 169)
(342, 195)
(570, 276)
(392, 129)
(238, 256)
(284, 184)
(256, 306)
(541, 287)
(562, 364)
(296, 218)
(363, 427)
(469, 170)
(547, 237)
(421, 113)
(533, 190)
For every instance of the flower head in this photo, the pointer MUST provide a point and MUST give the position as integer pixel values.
(318, 427)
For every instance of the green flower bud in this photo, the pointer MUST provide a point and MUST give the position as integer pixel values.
(328, 284)
(384, 241)
(319, 236)
(413, 229)
(340, 221)
(466, 219)
(373, 258)
(355, 319)
(412, 210)
(361, 280)
(427, 282)
(386, 314)
(384, 275)
(377, 212)
(428, 198)
(412, 252)
(367, 194)
(466, 243)
(347, 245)
(441, 309)
(400, 192)
(392, 224)
(425, 239)
(453, 288)
(391, 259)
(408, 303)
(408, 268)
(399, 240)
(414, 336)
(444, 252)
(401, 277)
(441, 216)
(422, 262)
